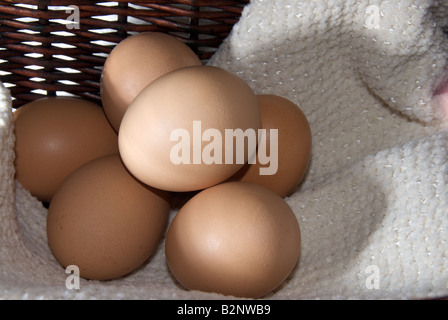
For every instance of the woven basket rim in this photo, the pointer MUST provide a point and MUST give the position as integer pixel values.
(33, 39)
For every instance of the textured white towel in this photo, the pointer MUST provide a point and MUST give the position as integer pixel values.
(373, 207)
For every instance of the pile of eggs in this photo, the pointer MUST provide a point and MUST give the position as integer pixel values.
(109, 173)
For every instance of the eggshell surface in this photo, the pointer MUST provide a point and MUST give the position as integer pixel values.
(134, 63)
(236, 238)
(105, 221)
(54, 136)
(289, 153)
(174, 135)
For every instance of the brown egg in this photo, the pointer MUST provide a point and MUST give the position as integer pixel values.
(134, 63)
(236, 238)
(184, 131)
(105, 221)
(289, 152)
(56, 135)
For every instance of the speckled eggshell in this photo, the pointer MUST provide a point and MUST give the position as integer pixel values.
(105, 221)
(236, 238)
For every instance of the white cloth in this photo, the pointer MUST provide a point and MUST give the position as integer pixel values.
(373, 208)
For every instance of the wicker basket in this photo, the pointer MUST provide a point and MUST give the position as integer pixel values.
(45, 50)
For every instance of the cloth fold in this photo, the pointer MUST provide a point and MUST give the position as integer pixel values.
(373, 207)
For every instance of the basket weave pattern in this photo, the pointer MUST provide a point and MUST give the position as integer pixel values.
(45, 50)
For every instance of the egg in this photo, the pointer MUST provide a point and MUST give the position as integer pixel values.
(104, 221)
(289, 150)
(235, 238)
(134, 63)
(54, 136)
(190, 129)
